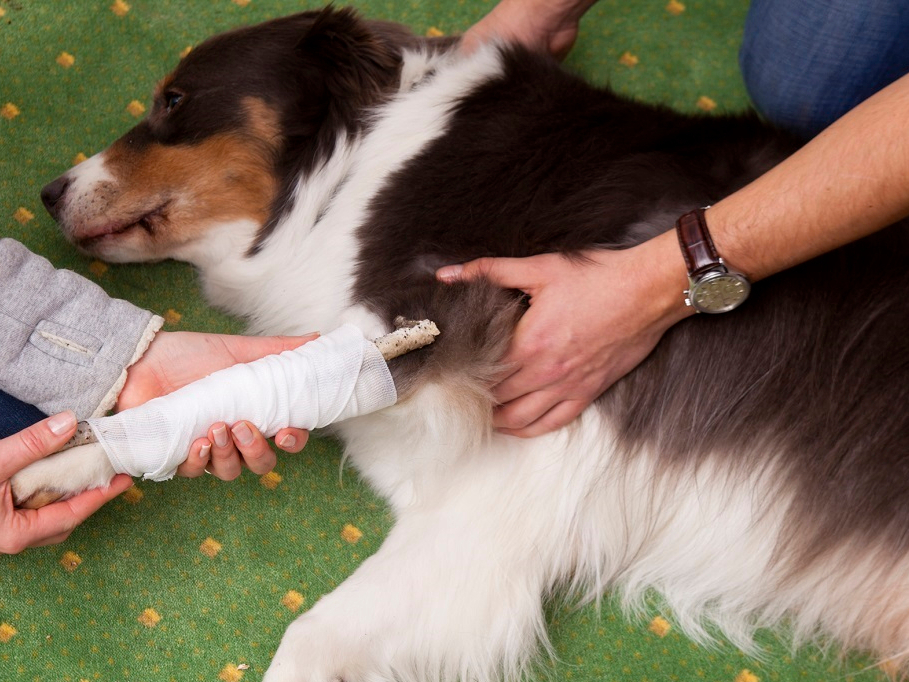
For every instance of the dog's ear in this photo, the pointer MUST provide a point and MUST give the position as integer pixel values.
(357, 63)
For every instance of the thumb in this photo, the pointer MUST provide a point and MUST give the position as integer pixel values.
(509, 273)
(35, 442)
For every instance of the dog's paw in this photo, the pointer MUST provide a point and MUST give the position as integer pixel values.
(61, 476)
(312, 650)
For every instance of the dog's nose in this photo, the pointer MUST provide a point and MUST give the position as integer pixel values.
(52, 194)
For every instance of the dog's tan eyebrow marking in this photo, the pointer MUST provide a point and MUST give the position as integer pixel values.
(262, 120)
(163, 85)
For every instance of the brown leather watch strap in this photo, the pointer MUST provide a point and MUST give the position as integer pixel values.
(697, 246)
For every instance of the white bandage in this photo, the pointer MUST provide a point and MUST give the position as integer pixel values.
(338, 376)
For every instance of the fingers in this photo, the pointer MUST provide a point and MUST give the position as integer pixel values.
(227, 450)
(199, 456)
(509, 273)
(521, 412)
(21, 528)
(253, 448)
(225, 460)
(291, 440)
(35, 442)
(84, 504)
(557, 417)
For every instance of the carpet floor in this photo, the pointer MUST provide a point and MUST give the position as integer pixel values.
(197, 580)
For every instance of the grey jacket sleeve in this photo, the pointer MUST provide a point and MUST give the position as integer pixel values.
(64, 343)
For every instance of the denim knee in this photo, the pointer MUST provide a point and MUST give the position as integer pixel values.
(807, 62)
(16, 415)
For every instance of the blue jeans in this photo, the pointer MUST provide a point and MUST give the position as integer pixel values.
(16, 415)
(808, 62)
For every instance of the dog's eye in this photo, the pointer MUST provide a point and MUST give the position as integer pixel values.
(171, 100)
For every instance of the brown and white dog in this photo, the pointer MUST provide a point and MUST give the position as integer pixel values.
(318, 168)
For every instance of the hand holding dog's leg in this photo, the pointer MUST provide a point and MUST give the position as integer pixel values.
(29, 528)
(175, 359)
(250, 450)
(337, 377)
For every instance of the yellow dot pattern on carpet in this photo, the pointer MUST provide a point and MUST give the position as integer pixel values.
(660, 626)
(351, 534)
(9, 111)
(230, 673)
(132, 495)
(172, 317)
(149, 618)
(675, 7)
(120, 8)
(135, 108)
(98, 269)
(70, 561)
(629, 59)
(65, 59)
(271, 480)
(210, 548)
(23, 215)
(705, 103)
(293, 600)
(7, 632)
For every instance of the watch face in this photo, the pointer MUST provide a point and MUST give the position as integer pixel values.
(719, 292)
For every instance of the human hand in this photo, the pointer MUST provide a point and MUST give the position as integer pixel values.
(590, 322)
(22, 528)
(174, 359)
(227, 450)
(542, 25)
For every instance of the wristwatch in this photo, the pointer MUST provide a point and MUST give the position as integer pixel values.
(712, 287)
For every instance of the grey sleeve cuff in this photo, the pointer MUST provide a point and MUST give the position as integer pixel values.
(64, 343)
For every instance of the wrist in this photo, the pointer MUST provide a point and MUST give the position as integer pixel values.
(667, 277)
(654, 277)
(149, 335)
(713, 287)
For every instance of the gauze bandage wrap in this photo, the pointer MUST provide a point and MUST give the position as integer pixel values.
(338, 376)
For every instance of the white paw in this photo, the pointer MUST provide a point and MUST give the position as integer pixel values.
(314, 651)
(61, 476)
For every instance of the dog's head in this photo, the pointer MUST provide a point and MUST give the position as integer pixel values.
(242, 116)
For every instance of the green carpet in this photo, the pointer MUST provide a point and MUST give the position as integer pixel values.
(197, 580)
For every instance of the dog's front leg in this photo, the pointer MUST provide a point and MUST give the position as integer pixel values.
(446, 597)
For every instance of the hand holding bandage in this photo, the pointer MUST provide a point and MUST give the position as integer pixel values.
(338, 376)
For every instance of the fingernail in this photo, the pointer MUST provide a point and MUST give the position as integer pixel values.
(449, 272)
(287, 442)
(205, 451)
(220, 435)
(242, 433)
(61, 423)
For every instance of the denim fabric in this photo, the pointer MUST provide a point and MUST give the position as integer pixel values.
(16, 415)
(808, 62)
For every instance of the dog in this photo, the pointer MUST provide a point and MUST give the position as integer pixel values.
(318, 168)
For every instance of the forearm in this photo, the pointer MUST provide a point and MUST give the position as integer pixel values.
(64, 344)
(848, 182)
(545, 25)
